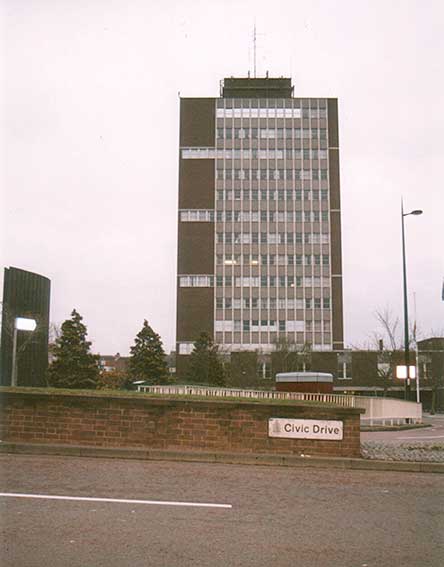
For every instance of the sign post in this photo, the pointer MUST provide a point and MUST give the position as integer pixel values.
(20, 324)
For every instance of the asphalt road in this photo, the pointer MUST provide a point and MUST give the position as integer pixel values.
(279, 516)
(433, 433)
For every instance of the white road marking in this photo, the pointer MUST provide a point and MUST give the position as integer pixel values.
(118, 500)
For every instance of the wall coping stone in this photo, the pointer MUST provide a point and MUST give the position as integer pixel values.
(174, 400)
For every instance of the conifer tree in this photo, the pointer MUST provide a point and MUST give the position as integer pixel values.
(205, 366)
(74, 366)
(147, 360)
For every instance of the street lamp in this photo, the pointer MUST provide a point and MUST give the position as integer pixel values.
(20, 324)
(406, 314)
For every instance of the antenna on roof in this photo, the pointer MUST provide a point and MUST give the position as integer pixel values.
(254, 50)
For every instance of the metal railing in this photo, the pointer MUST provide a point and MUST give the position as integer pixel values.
(214, 392)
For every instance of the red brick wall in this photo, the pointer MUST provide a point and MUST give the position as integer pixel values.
(128, 421)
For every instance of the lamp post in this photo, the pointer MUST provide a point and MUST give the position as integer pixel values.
(406, 313)
(20, 324)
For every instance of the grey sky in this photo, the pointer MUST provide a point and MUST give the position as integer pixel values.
(90, 143)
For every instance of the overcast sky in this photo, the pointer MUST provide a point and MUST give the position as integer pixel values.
(90, 126)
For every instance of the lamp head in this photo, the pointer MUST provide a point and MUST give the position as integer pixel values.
(416, 212)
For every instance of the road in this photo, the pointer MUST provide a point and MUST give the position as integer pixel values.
(278, 516)
(428, 434)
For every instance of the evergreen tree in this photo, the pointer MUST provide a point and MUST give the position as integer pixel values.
(147, 360)
(74, 366)
(205, 364)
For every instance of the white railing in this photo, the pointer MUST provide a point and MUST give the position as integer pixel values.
(214, 392)
(384, 411)
(388, 411)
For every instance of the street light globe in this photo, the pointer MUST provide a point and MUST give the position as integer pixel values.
(416, 212)
(25, 324)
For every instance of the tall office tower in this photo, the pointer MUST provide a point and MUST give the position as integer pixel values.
(259, 229)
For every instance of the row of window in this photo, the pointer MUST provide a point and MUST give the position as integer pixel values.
(273, 259)
(207, 215)
(272, 195)
(252, 281)
(306, 104)
(272, 216)
(252, 153)
(272, 174)
(272, 238)
(271, 113)
(272, 303)
(271, 133)
(259, 325)
(196, 215)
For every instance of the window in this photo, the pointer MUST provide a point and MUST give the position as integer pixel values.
(186, 348)
(196, 215)
(196, 281)
(326, 303)
(281, 325)
(317, 302)
(344, 365)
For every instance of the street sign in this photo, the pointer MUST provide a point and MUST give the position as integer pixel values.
(328, 430)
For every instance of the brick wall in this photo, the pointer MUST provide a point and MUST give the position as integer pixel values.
(180, 424)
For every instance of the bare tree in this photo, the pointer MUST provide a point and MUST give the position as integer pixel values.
(289, 357)
(389, 325)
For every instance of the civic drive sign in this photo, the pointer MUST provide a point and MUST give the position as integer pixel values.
(305, 429)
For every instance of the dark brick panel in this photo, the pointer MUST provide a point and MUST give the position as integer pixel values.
(196, 184)
(197, 121)
(335, 195)
(337, 308)
(333, 128)
(336, 252)
(195, 312)
(195, 248)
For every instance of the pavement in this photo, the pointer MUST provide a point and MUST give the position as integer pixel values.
(117, 513)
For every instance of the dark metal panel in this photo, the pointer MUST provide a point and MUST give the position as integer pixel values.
(25, 294)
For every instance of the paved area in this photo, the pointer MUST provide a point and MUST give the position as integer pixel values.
(420, 445)
(278, 516)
